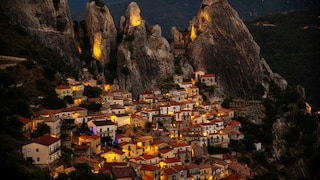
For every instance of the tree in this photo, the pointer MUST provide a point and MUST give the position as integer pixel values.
(92, 106)
(92, 92)
(69, 99)
(43, 129)
(226, 103)
(53, 102)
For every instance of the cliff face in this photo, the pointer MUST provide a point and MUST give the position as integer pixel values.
(101, 31)
(223, 45)
(144, 56)
(49, 21)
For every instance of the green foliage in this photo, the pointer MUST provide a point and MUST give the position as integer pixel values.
(226, 103)
(51, 101)
(291, 47)
(92, 92)
(216, 150)
(167, 86)
(42, 129)
(69, 99)
(237, 146)
(10, 124)
(91, 106)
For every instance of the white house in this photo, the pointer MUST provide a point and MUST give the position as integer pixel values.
(103, 128)
(53, 122)
(208, 79)
(208, 128)
(43, 150)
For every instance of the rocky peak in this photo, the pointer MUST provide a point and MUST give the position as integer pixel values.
(144, 56)
(49, 21)
(221, 44)
(131, 19)
(101, 31)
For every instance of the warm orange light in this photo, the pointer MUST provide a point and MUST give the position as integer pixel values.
(79, 49)
(135, 20)
(193, 35)
(107, 87)
(96, 46)
(205, 16)
(139, 144)
(193, 81)
(77, 101)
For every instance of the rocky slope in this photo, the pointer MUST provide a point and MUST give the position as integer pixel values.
(49, 21)
(144, 56)
(101, 31)
(223, 45)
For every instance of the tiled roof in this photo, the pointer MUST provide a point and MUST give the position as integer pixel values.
(103, 123)
(118, 151)
(148, 167)
(207, 75)
(180, 144)
(171, 160)
(46, 140)
(165, 150)
(86, 159)
(63, 87)
(122, 172)
(24, 120)
(70, 109)
(46, 112)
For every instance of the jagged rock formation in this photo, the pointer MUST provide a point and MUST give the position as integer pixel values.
(178, 43)
(144, 56)
(49, 21)
(176, 36)
(101, 31)
(275, 77)
(223, 45)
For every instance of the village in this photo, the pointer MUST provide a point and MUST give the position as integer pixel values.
(157, 136)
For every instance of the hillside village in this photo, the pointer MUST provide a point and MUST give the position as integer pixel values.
(160, 135)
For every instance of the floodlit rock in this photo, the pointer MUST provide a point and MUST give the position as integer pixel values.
(145, 58)
(49, 21)
(224, 46)
(101, 31)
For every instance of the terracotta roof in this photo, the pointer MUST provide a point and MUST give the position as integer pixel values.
(24, 120)
(118, 151)
(119, 136)
(171, 160)
(234, 123)
(46, 112)
(123, 172)
(103, 123)
(70, 109)
(82, 159)
(147, 156)
(81, 147)
(165, 150)
(46, 140)
(63, 87)
(192, 166)
(148, 167)
(174, 169)
(146, 177)
(182, 144)
(207, 75)
(224, 110)
(170, 171)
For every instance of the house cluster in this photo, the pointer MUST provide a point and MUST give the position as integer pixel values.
(158, 136)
